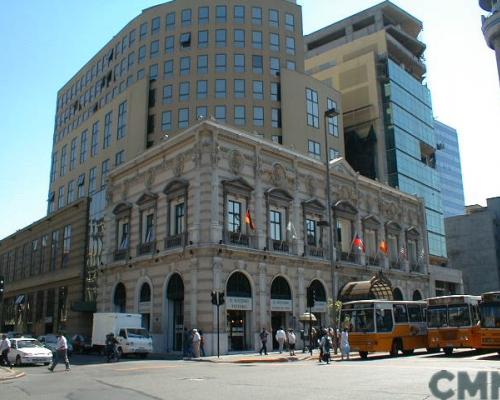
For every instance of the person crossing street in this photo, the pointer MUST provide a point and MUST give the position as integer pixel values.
(61, 352)
(4, 350)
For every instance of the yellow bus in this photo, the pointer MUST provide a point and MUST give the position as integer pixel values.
(385, 326)
(489, 309)
(452, 322)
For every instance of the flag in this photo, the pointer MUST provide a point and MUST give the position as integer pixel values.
(403, 255)
(383, 247)
(248, 220)
(290, 228)
(358, 243)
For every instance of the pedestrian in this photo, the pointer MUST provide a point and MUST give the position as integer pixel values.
(185, 340)
(190, 352)
(325, 346)
(263, 339)
(196, 343)
(280, 338)
(61, 352)
(202, 343)
(291, 341)
(344, 344)
(4, 350)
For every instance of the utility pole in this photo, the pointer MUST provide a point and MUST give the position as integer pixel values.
(218, 300)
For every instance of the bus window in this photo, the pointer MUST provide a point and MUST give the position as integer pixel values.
(459, 315)
(415, 313)
(475, 314)
(400, 314)
(359, 320)
(490, 315)
(437, 317)
(384, 320)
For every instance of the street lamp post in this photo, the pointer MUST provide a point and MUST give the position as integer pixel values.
(330, 113)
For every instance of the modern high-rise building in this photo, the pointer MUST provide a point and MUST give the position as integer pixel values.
(449, 169)
(491, 26)
(375, 58)
(238, 62)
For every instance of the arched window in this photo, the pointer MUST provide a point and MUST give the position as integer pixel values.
(238, 285)
(145, 294)
(175, 288)
(280, 289)
(120, 298)
(319, 290)
(417, 295)
(397, 294)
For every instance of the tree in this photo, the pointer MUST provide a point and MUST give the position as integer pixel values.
(334, 308)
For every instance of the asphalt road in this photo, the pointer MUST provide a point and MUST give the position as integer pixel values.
(379, 377)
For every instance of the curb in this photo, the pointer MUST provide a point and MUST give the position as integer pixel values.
(248, 360)
(13, 375)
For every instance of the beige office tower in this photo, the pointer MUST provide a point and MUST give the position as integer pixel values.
(491, 26)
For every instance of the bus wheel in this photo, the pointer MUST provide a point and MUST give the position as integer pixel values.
(396, 346)
(408, 352)
(363, 354)
(448, 350)
(432, 350)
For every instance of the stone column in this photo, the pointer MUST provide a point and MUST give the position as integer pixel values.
(260, 210)
(263, 297)
(193, 276)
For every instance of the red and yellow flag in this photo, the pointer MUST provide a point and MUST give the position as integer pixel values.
(248, 220)
(383, 247)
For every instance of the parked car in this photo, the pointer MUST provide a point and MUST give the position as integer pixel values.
(81, 344)
(27, 350)
(50, 342)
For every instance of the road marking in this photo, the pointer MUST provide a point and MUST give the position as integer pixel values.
(145, 367)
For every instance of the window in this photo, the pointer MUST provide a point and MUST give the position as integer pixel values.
(239, 88)
(276, 118)
(239, 14)
(220, 38)
(202, 39)
(186, 17)
(167, 94)
(143, 31)
(274, 18)
(183, 117)
(184, 89)
(275, 225)
(53, 168)
(169, 44)
(220, 113)
(312, 108)
(154, 48)
(50, 200)
(239, 38)
(239, 63)
(274, 42)
(104, 172)
(54, 249)
(258, 116)
(185, 65)
(123, 233)
(131, 60)
(148, 226)
(220, 13)
(94, 146)
(83, 147)
(201, 112)
(92, 180)
(290, 65)
(275, 91)
(239, 115)
(400, 313)
(290, 22)
(234, 216)
(166, 121)
(60, 198)
(155, 25)
(290, 45)
(131, 37)
(277, 139)
(72, 154)
(257, 64)
(140, 74)
(314, 149)
(71, 191)
(81, 185)
(62, 170)
(333, 154)
(142, 55)
(119, 158)
(257, 39)
(333, 122)
(170, 21)
(220, 88)
(311, 232)
(122, 120)
(202, 64)
(168, 69)
(201, 90)
(258, 90)
(185, 40)
(274, 66)
(220, 62)
(179, 218)
(256, 15)
(203, 15)
(383, 319)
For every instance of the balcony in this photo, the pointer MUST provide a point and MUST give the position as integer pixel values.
(374, 260)
(415, 267)
(239, 239)
(395, 264)
(345, 256)
(120, 255)
(315, 251)
(279, 245)
(174, 241)
(146, 248)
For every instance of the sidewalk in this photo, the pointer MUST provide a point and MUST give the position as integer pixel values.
(7, 374)
(272, 357)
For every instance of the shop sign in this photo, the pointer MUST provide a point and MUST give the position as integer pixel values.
(319, 306)
(281, 305)
(238, 303)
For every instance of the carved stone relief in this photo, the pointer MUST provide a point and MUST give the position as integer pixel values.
(179, 165)
(236, 162)
(279, 175)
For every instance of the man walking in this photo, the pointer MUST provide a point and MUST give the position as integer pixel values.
(280, 338)
(291, 342)
(4, 350)
(263, 338)
(61, 352)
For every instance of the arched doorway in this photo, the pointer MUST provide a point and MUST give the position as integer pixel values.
(320, 305)
(417, 295)
(175, 312)
(397, 294)
(239, 308)
(281, 306)
(120, 298)
(145, 305)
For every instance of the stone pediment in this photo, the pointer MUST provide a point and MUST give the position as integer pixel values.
(239, 185)
(279, 194)
(175, 185)
(345, 206)
(371, 221)
(341, 167)
(412, 232)
(393, 226)
(121, 208)
(146, 197)
(313, 205)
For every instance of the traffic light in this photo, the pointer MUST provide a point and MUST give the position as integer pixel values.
(2, 287)
(217, 298)
(311, 297)
(221, 298)
(214, 298)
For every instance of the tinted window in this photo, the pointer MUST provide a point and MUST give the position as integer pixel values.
(400, 313)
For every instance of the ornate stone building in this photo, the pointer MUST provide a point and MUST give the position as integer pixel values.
(179, 225)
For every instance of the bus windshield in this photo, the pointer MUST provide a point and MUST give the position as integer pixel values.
(437, 317)
(359, 320)
(459, 315)
(490, 315)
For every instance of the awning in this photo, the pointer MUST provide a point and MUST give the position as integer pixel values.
(378, 287)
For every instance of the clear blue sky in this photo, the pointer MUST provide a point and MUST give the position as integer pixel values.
(44, 43)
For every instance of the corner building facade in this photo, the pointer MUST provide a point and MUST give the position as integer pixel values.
(178, 227)
(176, 63)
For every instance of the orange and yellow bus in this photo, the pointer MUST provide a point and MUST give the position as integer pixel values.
(489, 309)
(452, 322)
(385, 326)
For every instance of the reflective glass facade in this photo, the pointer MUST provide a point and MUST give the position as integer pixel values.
(411, 146)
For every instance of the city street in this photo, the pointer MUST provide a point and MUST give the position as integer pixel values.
(379, 377)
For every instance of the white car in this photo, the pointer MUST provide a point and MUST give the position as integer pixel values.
(25, 350)
(50, 342)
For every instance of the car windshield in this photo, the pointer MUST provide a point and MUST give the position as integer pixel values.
(459, 315)
(490, 315)
(50, 339)
(28, 343)
(137, 333)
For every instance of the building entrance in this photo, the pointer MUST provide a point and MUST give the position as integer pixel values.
(236, 326)
(281, 306)
(175, 313)
(239, 307)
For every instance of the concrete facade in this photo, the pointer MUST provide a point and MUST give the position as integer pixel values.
(491, 26)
